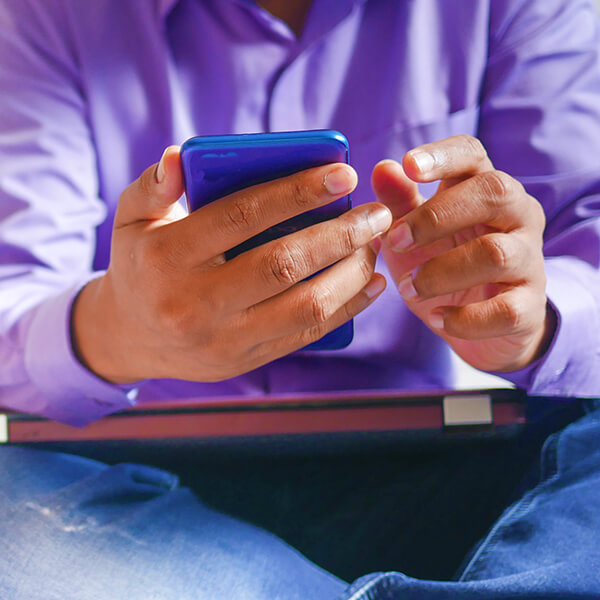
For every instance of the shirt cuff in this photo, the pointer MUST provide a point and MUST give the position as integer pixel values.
(73, 394)
(567, 369)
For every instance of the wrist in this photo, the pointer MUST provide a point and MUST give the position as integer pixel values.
(538, 347)
(542, 343)
(94, 340)
(550, 326)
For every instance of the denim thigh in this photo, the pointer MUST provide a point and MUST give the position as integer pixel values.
(545, 546)
(76, 528)
(73, 528)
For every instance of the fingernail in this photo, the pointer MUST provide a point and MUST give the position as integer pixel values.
(387, 161)
(436, 320)
(400, 237)
(424, 161)
(340, 181)
(406, 288)
(374, 287)
(379, 220)
(160, 169)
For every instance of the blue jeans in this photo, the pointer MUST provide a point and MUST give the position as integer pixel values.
(75, 528)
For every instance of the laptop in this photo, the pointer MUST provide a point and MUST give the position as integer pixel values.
(290, 415)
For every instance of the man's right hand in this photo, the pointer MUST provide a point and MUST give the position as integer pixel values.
(170, 306)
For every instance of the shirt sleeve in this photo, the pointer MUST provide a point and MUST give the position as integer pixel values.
(540, 121)
(49, 209)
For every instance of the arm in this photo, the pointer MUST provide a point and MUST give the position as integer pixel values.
(167, 306)
(49, 208)
(541, 123)
(470, 260)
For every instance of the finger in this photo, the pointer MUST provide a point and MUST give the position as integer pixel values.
(154, 194)
(518, 311)
(459, 156)
(267, 351)
(492, 258)
(312, 303)
(270, 350)
(493, 199)
(278, 265)
(375, 245)
(232, 220)
(394, 188)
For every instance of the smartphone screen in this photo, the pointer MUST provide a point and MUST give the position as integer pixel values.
(216, 166)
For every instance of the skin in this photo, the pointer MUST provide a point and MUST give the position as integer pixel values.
(475, 271)
(169, 306)
(468, 261)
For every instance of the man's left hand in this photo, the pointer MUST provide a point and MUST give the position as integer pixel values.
(468, 261)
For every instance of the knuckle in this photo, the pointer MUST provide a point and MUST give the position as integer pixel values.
(366, 267)
(431, 216)
(283, 264)
(512, 312)
(318, 330)
(351, 238)
(243, 214)
(300, 192)
(312, 334)
(473, 147)
(319, 307)
(496, 186)
(497, 252)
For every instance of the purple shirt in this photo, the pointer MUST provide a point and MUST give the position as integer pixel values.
(92, 92)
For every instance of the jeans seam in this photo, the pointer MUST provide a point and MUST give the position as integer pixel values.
(549, 460)
(549, 473)
(360, 594)
(488, 544)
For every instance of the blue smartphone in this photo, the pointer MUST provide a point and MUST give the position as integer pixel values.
(217, 165)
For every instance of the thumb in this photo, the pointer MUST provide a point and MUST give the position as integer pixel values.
(400, 194)
(153, 195)
(394, 188)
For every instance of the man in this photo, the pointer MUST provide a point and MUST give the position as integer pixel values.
(93, 95)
